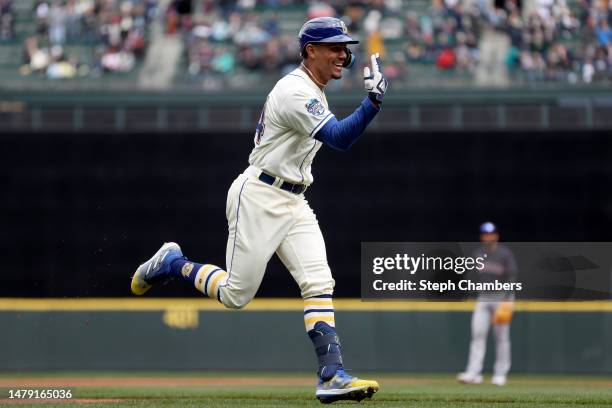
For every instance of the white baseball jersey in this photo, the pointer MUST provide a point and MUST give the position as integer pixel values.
(295, 110)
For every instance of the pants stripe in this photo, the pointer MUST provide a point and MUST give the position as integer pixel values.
(236, 227)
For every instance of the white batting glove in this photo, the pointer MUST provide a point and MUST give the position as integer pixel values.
(375, 81)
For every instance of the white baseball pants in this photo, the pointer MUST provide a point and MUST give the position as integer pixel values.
(262, 220)
(481, 321)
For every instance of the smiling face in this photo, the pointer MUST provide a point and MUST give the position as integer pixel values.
(325, 60)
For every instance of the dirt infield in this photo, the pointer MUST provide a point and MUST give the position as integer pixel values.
(26, 382)
(149, 381)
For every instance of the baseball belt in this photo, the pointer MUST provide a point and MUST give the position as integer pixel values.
(290, 187)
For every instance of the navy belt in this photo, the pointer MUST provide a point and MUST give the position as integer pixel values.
(292, 188)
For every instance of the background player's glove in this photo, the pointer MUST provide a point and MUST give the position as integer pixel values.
(503, 313)
(375, 81)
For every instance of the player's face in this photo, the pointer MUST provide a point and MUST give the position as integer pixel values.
(328, 60)
(489, 238)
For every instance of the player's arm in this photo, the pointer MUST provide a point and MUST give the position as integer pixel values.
(343, 134)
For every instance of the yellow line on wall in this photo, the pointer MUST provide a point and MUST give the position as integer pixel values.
(156, 304)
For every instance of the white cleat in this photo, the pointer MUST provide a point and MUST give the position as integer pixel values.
(499, 380)
(467, 378)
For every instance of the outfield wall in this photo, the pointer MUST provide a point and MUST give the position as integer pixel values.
(81, 211)
(194, 334)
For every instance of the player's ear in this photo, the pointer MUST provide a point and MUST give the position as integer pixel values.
(309, 50)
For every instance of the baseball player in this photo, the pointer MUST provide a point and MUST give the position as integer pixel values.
(266, 209)
(491, 307)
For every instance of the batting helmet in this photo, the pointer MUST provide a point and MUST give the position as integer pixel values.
(326, 30)
(488, 228)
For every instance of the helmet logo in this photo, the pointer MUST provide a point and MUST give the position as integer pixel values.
(343, 26)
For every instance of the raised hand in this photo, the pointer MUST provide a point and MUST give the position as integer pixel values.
(375, 82)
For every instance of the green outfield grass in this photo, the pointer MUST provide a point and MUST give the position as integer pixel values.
(296, 390)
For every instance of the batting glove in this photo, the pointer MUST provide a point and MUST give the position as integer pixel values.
(375, 81)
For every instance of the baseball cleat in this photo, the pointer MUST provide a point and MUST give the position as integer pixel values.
(499, 380)
(157, 269)
(344, 387)
(467, 378)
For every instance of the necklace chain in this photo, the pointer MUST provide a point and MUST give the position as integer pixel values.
(312, 75)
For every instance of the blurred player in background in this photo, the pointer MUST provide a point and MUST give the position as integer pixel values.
(491, 307)
(267, 212)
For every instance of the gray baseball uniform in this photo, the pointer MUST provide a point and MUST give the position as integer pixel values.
(499, 265)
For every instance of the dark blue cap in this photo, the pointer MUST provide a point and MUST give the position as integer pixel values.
(487, 228)
(324, 30)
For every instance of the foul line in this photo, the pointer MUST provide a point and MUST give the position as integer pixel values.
(280, 305)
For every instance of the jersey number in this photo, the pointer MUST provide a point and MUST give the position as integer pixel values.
(261, 126)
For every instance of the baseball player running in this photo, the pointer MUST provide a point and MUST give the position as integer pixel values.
(491, 307)
(266, 209)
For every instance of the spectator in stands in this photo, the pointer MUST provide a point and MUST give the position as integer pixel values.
(6, 20)
(73, 19)
(558, 62)
(223, 61)
(60, 66)
(464, 55)
(412, 27)
(604, 33)
(56, 20)
(602, 64)
(41, 13)
(515, 28)
(178, 16)
(320, 9)
(200, 56)
(588, 70)
(116, 59)
(38, 57)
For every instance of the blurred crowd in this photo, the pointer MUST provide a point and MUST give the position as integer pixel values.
(221, 37)
(549, 40)
(111, 35)
(225, 40)
(229, 37)
(556, 42)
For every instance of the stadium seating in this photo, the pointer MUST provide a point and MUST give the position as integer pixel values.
(232, 70)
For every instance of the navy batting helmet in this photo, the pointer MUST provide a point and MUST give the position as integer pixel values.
(326, 30)
(488, 228)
